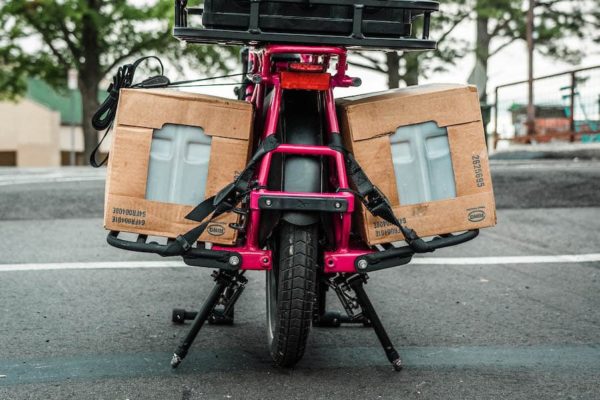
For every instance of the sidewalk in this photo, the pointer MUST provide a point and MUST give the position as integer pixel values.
(549, 151)
(15, 176)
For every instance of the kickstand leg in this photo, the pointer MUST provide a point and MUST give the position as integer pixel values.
(223, 279)
(356, 282)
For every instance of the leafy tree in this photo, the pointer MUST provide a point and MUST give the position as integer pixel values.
(45, 38)
(407, 67)
(504, 22)
(499, 23)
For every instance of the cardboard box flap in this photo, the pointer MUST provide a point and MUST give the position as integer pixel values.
(153, 108)
(381, 113)
(402, 92)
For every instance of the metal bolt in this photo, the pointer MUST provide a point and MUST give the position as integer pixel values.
(338, 204)
(268, 202)
(362, 264)
(234, 260)
(265, 260)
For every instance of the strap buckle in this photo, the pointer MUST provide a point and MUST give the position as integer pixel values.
(185, 245)
(224, 193)
(374, 200)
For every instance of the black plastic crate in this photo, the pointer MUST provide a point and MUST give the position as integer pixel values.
(307, 17)
(367, 24)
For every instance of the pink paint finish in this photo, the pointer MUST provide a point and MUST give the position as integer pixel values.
(342, 262)
(251, 259)
(308, 151)
(332, 121)
(264, 75)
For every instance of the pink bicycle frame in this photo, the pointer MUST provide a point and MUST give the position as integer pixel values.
(342, 259)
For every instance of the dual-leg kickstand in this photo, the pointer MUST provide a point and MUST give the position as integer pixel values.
(343, 285)
(234, 283)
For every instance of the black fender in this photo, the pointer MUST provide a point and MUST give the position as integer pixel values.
(301, 124)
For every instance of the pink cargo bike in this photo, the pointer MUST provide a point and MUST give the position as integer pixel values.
(296, 197)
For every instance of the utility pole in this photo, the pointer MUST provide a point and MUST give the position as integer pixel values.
(530, 49)
(72, 85)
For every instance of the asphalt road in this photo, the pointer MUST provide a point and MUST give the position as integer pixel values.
(485, 330)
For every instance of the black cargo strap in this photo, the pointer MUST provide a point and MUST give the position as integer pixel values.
(222, 202)
(104, 117)
(375, 201)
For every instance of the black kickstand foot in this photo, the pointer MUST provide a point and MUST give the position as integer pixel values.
(224, 280)
(356, 282)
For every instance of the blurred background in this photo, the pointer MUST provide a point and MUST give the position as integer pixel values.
(536, 65)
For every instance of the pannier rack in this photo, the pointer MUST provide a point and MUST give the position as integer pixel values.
(358, 36)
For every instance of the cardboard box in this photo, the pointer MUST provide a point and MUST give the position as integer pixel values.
(140, 112)
(368, 121)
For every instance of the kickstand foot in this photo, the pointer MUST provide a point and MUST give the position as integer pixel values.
(224, 280)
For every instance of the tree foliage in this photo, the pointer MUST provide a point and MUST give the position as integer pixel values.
(556, 21)
(45, 38)
(559, 27)
(407, 67)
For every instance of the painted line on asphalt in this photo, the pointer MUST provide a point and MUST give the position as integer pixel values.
(87, 367)
(91, 265)
(557, 259)
(10, 182)
(565, 258)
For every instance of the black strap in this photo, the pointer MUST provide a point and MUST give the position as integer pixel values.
(224, 201)
(104, 117)
(185, 242)
(374, 200)
(93, 161)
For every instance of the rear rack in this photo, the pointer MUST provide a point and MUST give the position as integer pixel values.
(236, 258)
(196, 256)
(254, 34)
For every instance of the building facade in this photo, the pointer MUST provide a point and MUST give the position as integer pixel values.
(42, 128)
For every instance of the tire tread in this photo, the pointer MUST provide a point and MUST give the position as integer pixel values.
(297, 284)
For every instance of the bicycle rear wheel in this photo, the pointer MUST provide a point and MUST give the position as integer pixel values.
(291, 288)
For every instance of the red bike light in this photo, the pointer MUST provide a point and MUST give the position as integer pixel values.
(304, 80)
(304, 67)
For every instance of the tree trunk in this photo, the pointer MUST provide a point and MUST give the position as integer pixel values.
(411, 75)
(482, 52)
(89, 100)
(393, 69)
(90, 74)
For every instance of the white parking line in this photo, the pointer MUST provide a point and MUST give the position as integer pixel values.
(29, 181)
(28, 176)
(557, 259)
(565, 258)
(91, 265)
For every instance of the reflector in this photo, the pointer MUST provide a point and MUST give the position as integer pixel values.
(304, 67)
(303, 80)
